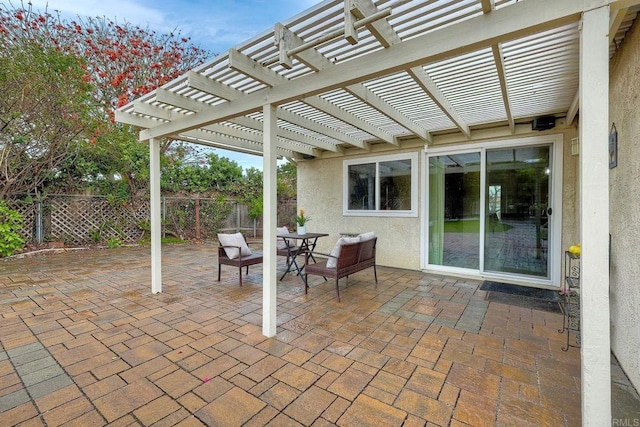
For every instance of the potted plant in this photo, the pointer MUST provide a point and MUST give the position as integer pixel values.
(301, 221)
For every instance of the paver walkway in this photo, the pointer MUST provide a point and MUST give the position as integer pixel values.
(84, 342)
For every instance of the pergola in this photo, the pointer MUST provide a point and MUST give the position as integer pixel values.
(352, 76)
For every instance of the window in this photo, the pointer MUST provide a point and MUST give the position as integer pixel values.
(383, 186)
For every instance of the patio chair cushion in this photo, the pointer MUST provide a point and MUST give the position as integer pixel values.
(235, 239)
(366, 236)
(281, 243)
(332, 262)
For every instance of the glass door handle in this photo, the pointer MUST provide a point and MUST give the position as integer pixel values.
(549, 211)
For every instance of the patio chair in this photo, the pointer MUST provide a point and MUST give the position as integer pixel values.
(349, 255)
(234, 251)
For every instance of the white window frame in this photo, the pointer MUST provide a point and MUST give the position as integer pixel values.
(411, 213)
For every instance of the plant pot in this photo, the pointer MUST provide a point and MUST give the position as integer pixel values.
(301, 229)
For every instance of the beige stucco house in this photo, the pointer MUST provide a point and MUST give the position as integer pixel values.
(475, 137)
(624, 197)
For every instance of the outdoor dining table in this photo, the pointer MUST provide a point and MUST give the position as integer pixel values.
(307, 245)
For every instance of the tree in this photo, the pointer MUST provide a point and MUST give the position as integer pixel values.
(122, 62)
(44, 110)
(287, 180)
(118, 167)
(211, 174)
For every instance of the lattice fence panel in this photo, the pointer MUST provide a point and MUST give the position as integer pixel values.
(78, 220)
(28, 211)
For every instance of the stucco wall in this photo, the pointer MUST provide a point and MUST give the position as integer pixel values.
(570, 196)
(320, 188)
(625, 204)
(320, 194)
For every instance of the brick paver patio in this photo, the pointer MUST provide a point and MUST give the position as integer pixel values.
(85, 343)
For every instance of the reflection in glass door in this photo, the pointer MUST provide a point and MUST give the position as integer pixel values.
(454, 210)
(516, 223)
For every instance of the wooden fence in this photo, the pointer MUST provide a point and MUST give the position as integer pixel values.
(82, 220)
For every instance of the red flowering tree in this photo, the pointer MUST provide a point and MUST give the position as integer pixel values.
(121, 62)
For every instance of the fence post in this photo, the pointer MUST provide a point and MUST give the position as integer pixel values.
(164, 214)
(198, 219)
(238, 224)
(39, 226)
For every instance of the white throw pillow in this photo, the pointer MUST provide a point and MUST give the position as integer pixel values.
(279, 231)
(367, 236)
(234, 240)
(335, 252)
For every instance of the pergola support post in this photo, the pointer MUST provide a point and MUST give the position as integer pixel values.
(594, 218)
(156, 223)
(270, 216)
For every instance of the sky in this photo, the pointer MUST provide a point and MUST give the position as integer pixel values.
(214, 25)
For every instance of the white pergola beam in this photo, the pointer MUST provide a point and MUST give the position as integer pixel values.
(186, 138)
(245, 65)
(351, 15)
(314, 126)
(594, 219)
(171, 98)
(487, 5)
(381, 30)
(250, 142)
(205, 84)
(504, 88)
(136, 120)
(426, 83)
(622, 4)
(617, 16)
(388, 110)
(573, 108)
(255, 124)
(340, 114)
(156, 111)
(284, 44)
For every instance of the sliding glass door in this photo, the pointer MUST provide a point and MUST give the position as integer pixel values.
(489, 210)
(517, 208)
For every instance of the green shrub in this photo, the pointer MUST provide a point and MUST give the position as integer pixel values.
(96, 236)
(114, 242)
(10, 223)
